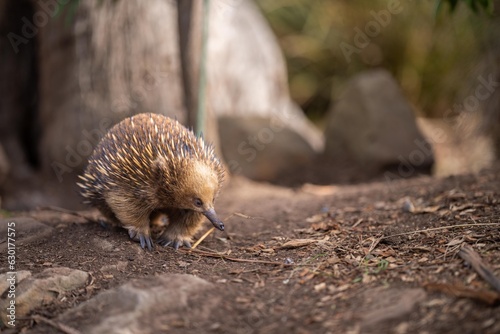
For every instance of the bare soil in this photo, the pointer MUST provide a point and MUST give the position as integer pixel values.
(315, 259)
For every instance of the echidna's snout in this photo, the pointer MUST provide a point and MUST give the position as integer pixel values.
(212, 216)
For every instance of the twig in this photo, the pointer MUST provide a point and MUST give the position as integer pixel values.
(440, 228)
(57, 325)
(202, 238)
(360, 220)
(486, 296)
(374, 244)
(474, 259)
(238, 214)
(233, 259)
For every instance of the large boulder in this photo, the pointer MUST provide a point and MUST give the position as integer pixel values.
(374, 126)
(87, 77)
(262, 148)
(248, 91)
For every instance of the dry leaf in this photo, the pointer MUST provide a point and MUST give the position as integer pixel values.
(317, 218)
(255, 248)
(430, 209)
(319, 287)
(460, 207)
(325, 226)
(243, 300)
(455, 194)
(455, 242)
(322, 226)
(297, 243)
(183, 264)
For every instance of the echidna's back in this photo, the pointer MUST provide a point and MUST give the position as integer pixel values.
(125, 155)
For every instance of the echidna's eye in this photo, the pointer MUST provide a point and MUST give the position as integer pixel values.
(198, 202)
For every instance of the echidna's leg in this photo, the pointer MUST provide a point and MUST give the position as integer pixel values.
(108, 214)
(133, 216)
(183, 224)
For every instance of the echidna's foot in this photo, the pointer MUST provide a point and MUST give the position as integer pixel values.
(144, 240)
(174, 242)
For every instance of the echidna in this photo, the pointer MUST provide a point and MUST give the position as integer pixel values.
(149, 164)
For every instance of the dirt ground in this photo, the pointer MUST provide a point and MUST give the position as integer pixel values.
(370, 258)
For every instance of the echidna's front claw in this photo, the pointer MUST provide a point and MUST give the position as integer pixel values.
(176, 243)
(164, 243)
(143, 239)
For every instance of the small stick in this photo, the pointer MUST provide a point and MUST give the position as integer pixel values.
(440, 228)
(374, 244)
(61, 327)
(238, 214)
(467, 253)
(233, 259)
(487, 296)
(202, 238)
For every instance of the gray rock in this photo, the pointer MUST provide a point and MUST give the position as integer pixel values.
(374, 126)
(82, 92)
(26, 230)
(149, 305)
(111, 269)
(89, 80)
(251, 79)
(262, 148)
(5, 284)
(32, 292)
(382, 305)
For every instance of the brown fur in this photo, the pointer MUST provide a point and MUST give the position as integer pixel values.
(150, 164)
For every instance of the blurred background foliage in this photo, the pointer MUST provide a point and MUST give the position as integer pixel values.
(433, 47)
